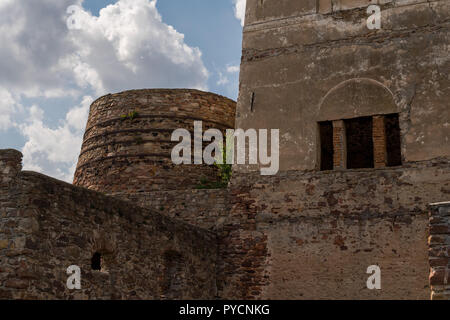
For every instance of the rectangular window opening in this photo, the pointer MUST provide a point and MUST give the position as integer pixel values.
(326, 145)
(359, 143)
(393, 143)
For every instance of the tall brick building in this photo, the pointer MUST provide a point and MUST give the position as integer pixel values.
(364, 172)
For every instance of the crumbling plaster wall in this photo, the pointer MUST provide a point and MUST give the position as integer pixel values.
(293, 57)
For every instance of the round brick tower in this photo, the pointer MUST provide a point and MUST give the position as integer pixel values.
(127, 144)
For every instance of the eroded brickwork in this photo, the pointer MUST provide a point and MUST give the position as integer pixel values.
(339, 145)
(379, 142)
(311, 235)
(439, 250)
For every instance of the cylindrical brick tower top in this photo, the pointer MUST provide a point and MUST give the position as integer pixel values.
(127, 144)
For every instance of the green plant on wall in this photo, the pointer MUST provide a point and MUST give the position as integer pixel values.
(224, 169)
(131, 115)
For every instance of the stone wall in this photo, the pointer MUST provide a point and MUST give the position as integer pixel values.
(48, 225)
(205, 208)
(127, 143)
(312, 235)
(439, 250)
(13, 226)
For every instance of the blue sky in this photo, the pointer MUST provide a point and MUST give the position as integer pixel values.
(51, 70)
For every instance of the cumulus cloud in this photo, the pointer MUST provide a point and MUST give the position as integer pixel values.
(127, 46)
(222, 79)
(34, 38)
(233, 69)
(8, 106)
(239, 10)
(77, 117)
(46, 146)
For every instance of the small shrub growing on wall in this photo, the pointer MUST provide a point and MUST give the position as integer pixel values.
(131, 115)
(224, 173)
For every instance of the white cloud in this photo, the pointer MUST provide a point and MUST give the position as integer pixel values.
(223, 80)
(34, 38)
(239, 10)
(127, 46)
(233, 69)
(77, 117)
(46, 146)
(8, 106)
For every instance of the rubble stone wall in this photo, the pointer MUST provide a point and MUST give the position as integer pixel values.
(205, 208)
(48, 225)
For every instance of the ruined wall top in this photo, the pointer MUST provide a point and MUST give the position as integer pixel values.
(10, 164)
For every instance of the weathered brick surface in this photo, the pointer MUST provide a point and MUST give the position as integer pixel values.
(379, 142)
(312, 235)
(47, 225)
(339, 145)
(439, 250)
(132, 155)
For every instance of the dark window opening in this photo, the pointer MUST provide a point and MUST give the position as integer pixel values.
(393, 144)
(326, 145)
(252, 102)
(96, 261)
(359, 143)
